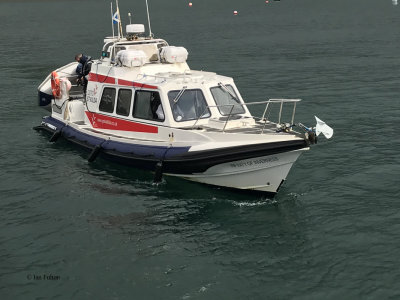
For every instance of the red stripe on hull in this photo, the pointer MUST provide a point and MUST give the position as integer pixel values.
(107, 122)
(94, 77)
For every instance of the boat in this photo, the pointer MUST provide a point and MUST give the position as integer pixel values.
(144, 107)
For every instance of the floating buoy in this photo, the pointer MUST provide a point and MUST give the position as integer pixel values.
(266, 1)
(55, 84)
(190, 4)
(235, 12)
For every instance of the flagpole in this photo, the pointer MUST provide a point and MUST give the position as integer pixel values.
(120, 21)
(112, 21)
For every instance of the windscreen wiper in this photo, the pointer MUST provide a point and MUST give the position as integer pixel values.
(176, 99)
(223, 86)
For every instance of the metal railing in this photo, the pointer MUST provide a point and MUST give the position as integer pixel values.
(266, 111)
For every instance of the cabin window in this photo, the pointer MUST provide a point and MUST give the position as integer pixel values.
(225, 95)
(147, 105)
(118, 48)
(124, 102)
(188, 105)
(115, 50)
(107, 100)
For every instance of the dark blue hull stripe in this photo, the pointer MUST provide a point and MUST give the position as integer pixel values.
(176, 160)
(154, 152)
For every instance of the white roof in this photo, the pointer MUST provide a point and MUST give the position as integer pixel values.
(187, 77)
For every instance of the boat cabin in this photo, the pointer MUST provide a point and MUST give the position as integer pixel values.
(142, 85)
(146, 80)
(170, 99)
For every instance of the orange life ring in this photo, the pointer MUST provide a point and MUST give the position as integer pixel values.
(55, 85)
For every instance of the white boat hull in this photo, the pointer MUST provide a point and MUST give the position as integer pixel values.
(264, 174)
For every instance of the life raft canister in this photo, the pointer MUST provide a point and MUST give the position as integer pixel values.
(55, 84)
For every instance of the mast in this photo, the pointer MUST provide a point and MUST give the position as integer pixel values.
(120, 21)
(148, 19)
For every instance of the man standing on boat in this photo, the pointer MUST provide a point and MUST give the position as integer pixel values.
(83, 69)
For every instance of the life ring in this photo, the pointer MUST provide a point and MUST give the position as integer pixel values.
(55, 85)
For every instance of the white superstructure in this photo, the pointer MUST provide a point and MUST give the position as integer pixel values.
(144, 106)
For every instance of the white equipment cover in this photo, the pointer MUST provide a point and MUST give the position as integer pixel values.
(75, 111)
(323, 128)
(134, 28)
(172, 54)
(131, 58)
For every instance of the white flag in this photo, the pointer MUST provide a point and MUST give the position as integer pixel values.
(323, 128)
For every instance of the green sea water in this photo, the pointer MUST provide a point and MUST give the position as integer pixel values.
(74, 230)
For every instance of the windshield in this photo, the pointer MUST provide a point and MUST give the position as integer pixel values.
(188, 105)
(225, 95)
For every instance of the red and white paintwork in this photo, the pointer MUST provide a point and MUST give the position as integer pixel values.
(261, 173)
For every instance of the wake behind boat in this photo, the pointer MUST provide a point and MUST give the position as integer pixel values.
(143, 106)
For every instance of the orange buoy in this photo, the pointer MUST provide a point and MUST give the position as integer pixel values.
(55, 85)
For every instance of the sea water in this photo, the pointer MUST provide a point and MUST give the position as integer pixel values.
(70, 229)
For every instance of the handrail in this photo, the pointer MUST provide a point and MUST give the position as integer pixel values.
(263, 118)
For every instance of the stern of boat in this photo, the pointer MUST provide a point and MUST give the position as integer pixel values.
(68, 72)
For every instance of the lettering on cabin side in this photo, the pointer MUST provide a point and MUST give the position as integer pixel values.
(91, 95)
(255, 162)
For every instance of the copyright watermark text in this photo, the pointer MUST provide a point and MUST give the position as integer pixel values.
(43, 277)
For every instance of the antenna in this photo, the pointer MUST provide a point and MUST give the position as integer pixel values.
(148, 19)
(129, 15)
(112, 19)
